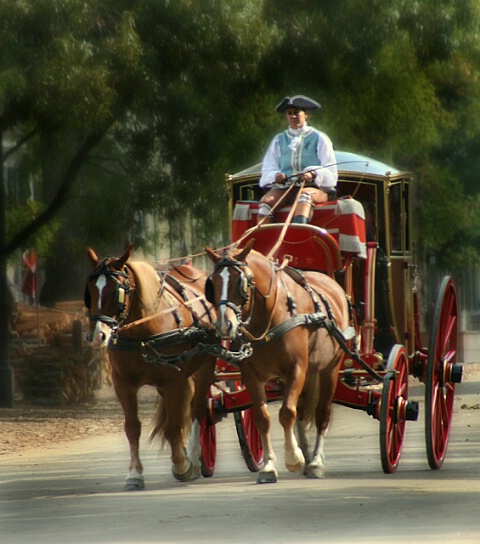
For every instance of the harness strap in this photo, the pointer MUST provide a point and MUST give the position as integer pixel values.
(204, 345)
(180, 288)
(162, 340)
(316, 318)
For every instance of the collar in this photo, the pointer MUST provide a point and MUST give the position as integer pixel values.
(300, 131)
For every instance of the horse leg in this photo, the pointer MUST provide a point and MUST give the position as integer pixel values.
(303, 441)
(294, 458)
(178, 399)
(127, 395)
(268, 473)
(203, 378)
(328, 381)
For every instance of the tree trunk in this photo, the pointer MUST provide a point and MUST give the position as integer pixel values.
(6, 373)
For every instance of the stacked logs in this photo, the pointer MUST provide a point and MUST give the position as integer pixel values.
(52, 363)
(49, 375)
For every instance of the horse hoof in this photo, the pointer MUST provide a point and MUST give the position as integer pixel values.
(315, 472)
(134, 484)
(296, 468)
(270, 477)
(192, 473)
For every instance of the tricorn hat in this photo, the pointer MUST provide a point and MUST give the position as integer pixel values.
(298, 101)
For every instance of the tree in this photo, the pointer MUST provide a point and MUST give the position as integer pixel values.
(148, 104)
(399, 82)
(76, 74)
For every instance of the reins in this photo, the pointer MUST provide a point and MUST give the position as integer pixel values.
(248, 334)
(288, 221)
(181, 303)
(138, 322)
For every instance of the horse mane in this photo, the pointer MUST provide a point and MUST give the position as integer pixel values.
(147, 281)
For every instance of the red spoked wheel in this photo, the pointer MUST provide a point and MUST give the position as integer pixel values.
(442, 373)
(208, 445)
(395, 409)
(248, 436)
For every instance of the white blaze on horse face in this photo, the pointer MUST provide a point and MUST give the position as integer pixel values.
(101, 333)
(100, 285)
(227, 324)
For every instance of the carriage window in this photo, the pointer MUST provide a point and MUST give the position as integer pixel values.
(406, 204)
(396, 217)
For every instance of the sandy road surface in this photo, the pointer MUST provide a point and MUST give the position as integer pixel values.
(69, 490)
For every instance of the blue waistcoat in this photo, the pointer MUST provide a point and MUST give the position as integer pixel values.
(298, 152)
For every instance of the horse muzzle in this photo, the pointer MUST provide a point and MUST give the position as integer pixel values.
(227, 325)
(100, 334)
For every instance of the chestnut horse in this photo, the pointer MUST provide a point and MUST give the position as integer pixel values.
(149, 321)
(285, 316)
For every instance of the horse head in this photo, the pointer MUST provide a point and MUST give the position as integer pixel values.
(108, 294)
(230, 288)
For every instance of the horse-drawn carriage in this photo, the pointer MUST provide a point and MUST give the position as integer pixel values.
(305, 314)
(363, 239)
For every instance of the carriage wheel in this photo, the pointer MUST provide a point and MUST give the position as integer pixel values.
(394, 409)
(248, 436)
(441, 374)
(208, 444)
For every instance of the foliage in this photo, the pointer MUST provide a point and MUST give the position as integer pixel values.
(145, 105)
(399, 82)
(19, 216)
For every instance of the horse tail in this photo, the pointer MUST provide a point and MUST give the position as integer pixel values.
(162, 415)
(159, 423)
(308, 401)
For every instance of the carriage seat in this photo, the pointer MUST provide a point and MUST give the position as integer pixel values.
(343, 219)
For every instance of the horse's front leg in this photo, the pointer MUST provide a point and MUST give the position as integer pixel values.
(268, 472)
(127, 395)
(294, 458)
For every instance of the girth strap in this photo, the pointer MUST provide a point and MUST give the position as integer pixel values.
(159, 341)
(317, 318)
(204, 344)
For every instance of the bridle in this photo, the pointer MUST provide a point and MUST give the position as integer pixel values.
(123, 294)
(246, 288)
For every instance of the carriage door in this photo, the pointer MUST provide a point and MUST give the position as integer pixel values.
(401, 261)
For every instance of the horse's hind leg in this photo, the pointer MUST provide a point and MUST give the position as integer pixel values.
(303, 439)
(178, 400)
(202, 379)
(127, 395)
(328, 381)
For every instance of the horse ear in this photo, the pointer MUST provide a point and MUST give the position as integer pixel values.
(120, 263)
(93, 257)
(243, 253)
(214, 257)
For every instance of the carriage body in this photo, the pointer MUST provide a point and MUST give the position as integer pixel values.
(370, 219)
(363, 239)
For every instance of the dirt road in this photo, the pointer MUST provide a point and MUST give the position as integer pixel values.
(70, 490)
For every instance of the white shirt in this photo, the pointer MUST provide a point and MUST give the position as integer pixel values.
(326, 174)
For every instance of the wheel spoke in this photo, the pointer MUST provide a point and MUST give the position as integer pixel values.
(392, 423)
(439, 392)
